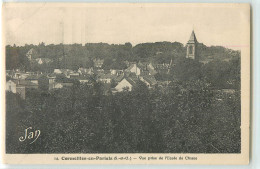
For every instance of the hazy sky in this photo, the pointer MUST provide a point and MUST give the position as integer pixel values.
(223, 24)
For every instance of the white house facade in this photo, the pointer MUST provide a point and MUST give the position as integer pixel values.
(123, 85)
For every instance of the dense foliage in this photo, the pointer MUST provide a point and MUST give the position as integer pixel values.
(75, 55)
(190, 115)
(176, 120)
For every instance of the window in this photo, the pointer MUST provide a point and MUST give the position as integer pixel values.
(190, 49)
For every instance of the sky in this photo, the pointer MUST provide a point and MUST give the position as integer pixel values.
(53, 23)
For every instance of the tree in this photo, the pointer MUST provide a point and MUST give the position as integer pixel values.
(187, 70)
(107, 64)
(223, 74)
(89, 63)
(43, 82)
(113, 83)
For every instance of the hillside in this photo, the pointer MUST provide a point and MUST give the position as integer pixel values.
(75, 55)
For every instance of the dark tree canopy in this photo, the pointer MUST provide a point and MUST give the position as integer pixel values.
(74, 56)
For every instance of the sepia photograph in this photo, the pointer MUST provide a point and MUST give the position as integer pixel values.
(125, 79)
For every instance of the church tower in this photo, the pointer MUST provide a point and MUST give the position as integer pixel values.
(192, 47)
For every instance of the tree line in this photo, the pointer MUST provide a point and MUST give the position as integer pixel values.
(73, 56)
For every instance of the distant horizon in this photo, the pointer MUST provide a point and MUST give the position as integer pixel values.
(133, 45)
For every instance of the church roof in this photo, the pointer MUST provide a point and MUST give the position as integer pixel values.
(193, 38)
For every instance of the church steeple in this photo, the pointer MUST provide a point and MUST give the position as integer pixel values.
(192, 47)
(193, 38)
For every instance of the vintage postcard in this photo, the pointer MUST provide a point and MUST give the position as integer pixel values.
(126, 83)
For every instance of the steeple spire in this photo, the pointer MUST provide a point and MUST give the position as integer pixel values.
(193, 38)
(192, 46)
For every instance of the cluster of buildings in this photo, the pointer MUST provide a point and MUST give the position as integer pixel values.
(40, 61)
(118, 80)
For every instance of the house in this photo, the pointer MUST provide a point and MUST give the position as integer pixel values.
(24, 75)
(113, 71)
(16, 74)
(32, 79)
(105, 78)
(82, 79)
(83, 71)
(52, 78)
(134, 69)
(43, 60)
(20, 86)
(148, 71)
(119, 77)
(59, 85)
(60, 82)
(66, 72)
(10, 86)
(98, 62)
(116, 72)
(151, 66)
(26, 83)
(73, 74)
(58, 71)
(150, 81)
(30, 54)
(151, 69)
(126, 83)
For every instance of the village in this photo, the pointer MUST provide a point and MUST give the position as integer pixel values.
(118, 80)
(19, 81)
(114, 80)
